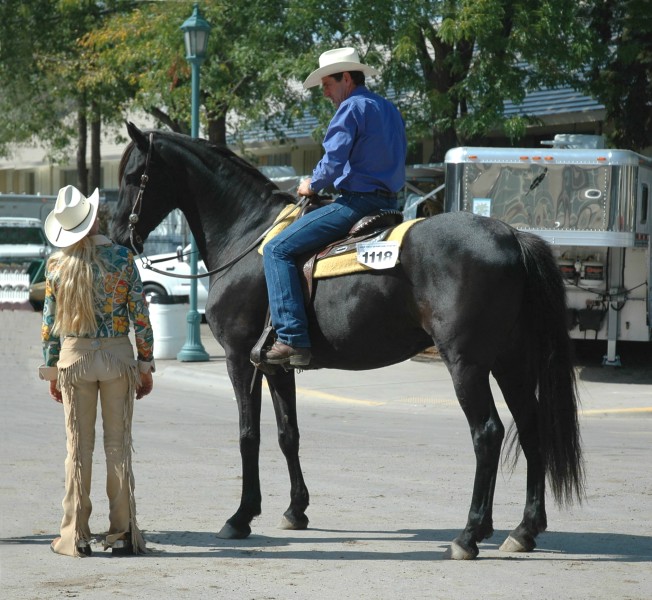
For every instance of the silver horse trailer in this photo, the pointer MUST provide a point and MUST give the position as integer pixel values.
(593, 206)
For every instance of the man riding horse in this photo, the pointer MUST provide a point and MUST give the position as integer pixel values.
(364, 160)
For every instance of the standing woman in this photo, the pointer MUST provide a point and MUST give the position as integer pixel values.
(93, 290)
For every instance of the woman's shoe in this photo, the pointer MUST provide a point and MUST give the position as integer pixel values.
(84, 548)
(122, 548)
(53, 543)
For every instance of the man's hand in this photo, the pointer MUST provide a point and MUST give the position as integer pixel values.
(145, 386)
(304, 188)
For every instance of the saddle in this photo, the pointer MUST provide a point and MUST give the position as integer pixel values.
(374, 227)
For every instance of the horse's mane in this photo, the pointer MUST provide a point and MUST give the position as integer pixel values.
(222, 151)
(123, 161)
(238, 161)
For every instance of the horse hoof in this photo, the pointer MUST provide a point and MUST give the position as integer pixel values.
(294, 523)
(456, 552)
(513, 545)
(228, 532)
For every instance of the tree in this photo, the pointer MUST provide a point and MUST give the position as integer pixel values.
(451, 64)
(43, 96)
(28, 106)
(251, 53)
(619, 73)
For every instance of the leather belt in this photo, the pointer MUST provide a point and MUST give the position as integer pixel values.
(381, 193)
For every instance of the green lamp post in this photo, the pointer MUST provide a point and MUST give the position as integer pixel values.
(195, 35)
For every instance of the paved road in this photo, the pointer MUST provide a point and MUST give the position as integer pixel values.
(388, 460)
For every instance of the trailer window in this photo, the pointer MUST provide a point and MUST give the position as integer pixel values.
(645, 202)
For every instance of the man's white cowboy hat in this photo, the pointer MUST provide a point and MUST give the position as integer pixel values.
(72, 216)
(337, 61)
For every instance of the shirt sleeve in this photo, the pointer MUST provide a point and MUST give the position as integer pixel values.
(338, 143)
(51, 341)
(139, 315)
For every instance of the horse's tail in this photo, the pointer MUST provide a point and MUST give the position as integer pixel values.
(559, 432)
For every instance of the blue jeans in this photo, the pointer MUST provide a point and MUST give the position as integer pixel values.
(314, 230)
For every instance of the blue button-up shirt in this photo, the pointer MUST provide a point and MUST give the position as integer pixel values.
(365, 146)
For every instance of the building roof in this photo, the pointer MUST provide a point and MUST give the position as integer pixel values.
(550, 102)
(546, 102)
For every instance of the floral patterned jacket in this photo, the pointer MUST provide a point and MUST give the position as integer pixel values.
(122, 300)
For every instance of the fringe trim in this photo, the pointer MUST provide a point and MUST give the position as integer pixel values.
(65, 380)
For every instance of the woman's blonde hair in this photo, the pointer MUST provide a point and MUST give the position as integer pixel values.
(75, 289)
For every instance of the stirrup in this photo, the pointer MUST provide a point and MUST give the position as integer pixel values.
(256, 356)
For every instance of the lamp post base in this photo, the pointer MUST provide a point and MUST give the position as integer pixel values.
(192, 350)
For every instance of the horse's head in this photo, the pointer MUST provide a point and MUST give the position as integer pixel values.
(146, 191)
(223, 197)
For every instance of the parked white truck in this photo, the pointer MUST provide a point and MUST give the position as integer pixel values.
(592, 204)
(24, 250)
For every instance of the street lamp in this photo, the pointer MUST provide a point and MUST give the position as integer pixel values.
(195, 36)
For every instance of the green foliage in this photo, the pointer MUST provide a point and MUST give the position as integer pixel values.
(250, 58)
(620, 70)
(17, 71)
(40, 66)
(449, 64)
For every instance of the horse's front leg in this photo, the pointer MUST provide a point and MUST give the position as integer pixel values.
(248, 397)
(487, 431)
(283, 390)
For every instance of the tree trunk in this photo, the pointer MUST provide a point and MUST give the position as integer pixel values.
(163, 117)
(96, 153)
(217, 129)
(82, 136)
(443, 141)
(439, 80)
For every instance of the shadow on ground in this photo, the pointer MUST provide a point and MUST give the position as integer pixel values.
(372, 545)
(635, 357)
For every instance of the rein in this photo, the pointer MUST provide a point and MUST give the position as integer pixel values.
(147, 262)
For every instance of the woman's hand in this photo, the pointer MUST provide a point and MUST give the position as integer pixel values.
(54, 392)
(145, 386)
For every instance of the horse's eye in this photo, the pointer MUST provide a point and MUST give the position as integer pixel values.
(132, 179)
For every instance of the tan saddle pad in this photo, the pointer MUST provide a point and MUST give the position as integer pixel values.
(340, 257)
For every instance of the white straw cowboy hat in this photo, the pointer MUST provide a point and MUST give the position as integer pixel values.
(337, 61)
(72, 216)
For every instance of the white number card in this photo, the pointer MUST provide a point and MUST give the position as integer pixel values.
(378, 255)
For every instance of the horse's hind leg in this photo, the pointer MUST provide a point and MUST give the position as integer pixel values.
(518, 391)
(283, 390)
(474, 394)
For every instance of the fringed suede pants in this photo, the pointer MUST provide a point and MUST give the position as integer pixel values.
(86, 368)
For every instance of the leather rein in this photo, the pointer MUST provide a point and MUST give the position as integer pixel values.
(148, 262)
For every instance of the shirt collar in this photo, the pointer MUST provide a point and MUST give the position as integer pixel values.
(359, 90)
(100, 240)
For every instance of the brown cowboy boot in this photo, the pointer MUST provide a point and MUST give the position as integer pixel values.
(282, 354)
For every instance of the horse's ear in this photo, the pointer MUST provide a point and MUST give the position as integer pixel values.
(139, 138)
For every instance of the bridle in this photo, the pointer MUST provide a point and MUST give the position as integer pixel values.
(138, 203)
(147, 263)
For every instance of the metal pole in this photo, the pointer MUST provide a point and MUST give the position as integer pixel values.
(193, 350)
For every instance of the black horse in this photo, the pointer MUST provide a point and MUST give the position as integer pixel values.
(489, 297)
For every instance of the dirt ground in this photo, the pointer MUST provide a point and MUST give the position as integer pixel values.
(389, 463)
